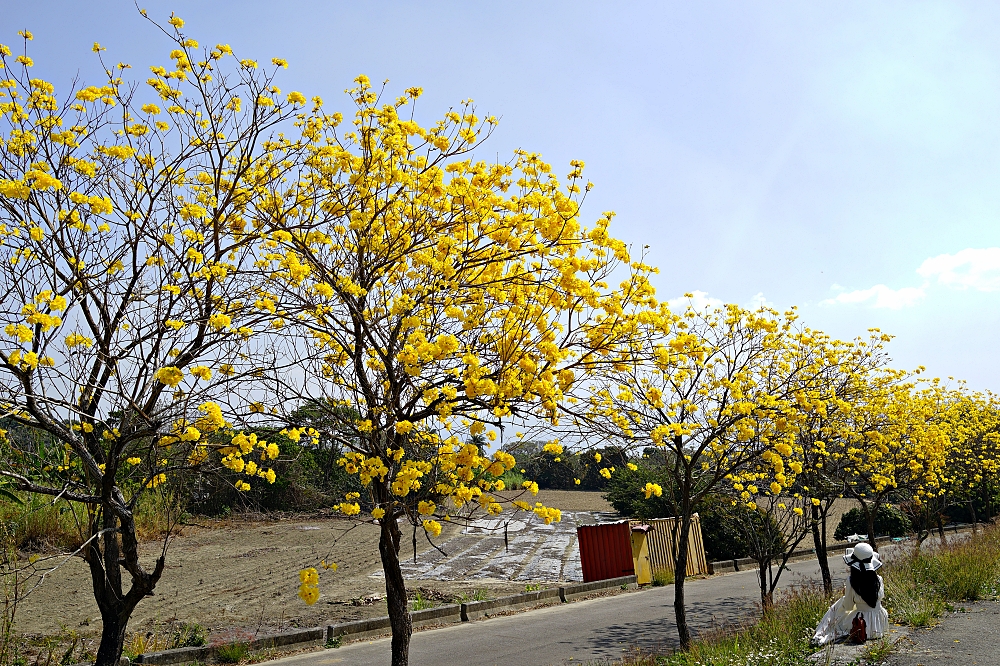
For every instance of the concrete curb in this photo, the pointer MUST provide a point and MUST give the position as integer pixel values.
(570, 592)
(181, 655)
(358, 629)
(379, 626)
(474, 610)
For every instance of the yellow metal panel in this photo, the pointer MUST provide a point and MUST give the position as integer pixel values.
(640, 556)
(661, 543)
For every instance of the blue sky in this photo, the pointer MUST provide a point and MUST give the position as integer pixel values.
(841, 157)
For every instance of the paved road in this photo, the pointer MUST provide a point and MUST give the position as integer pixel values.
(572, 633)
(969, 636)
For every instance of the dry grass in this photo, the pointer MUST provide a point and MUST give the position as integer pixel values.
(919, 586)
(39, 525)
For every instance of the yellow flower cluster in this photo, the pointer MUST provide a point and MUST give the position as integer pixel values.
(309, 585)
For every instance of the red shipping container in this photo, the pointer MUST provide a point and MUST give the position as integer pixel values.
(605, 551)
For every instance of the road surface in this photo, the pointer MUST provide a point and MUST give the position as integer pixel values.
(577, 632)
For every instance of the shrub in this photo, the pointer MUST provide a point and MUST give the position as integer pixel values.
(513, 479)
(889, 521)
(154, 513)
(421, 603)
(590, 470)
(304, 482)
(190, 635)
(547, 472)
(624, 491)
(722, 536)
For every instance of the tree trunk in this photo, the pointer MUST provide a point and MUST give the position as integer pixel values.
(986, 501)
(940, 526)
(112, 547)
(102, 555)
(680, 573)
(819, 543)
(870, 519)
(766, 597)
(112, 638)
(972, 510)
(395, 590)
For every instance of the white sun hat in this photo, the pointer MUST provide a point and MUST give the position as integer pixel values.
(863, 556)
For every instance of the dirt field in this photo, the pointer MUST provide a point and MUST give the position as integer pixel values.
(240, 577)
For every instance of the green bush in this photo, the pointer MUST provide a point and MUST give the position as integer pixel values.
(547, 472)
(889, 521)
(189, 635)
(304, 482)
(724, 538)
(624, 491)
(513, 479)
(590, 469)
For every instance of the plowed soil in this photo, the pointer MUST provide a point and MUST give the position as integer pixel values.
(239, 577)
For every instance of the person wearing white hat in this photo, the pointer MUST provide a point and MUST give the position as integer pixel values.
(862, 600)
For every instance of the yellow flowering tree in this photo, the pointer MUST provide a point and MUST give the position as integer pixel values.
(439, 297)
(127, 217)
(972, 466)
(713, 389)
(897, 443)
(825, 403)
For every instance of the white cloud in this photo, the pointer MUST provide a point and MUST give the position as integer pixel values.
(697, 300)
(879, 296)
(973, 268)
(758, 302)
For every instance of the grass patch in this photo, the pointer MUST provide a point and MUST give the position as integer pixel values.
(918, 587)
(481, 594)
(663, 576)
(421, 603)
(233, 653)
(183, 635)
(780, 638)
(879, 650)
(38, 525)
(154, 513)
